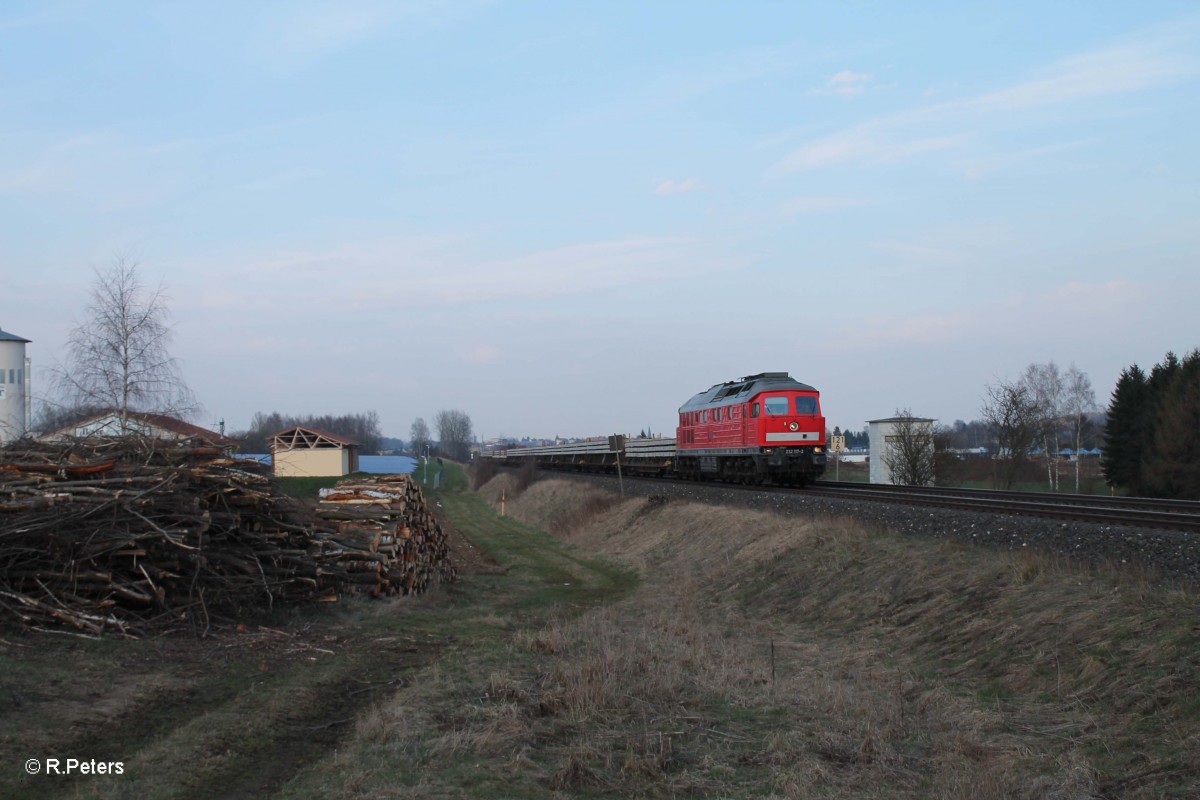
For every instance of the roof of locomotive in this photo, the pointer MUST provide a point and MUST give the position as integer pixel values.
(743, 389)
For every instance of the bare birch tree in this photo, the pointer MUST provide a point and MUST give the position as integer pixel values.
(1045, 384)
(1078, 401)
(117, 357)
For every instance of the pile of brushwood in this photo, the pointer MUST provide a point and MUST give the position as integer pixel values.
(136, 536)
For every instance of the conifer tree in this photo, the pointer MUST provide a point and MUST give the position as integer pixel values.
(1172, 465)
(1123, 433)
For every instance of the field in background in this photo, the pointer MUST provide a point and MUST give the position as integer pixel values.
(645, 648)
(977, 473)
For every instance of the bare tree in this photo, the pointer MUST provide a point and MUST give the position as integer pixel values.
(1078, 401)
(418, 436)
(454, 433)
(1012, 413)
(1046, 389)
(908, 451)
(117, 357)
(948, 465)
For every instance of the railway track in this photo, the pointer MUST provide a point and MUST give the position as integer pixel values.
(1179, 515)
(1138, 512)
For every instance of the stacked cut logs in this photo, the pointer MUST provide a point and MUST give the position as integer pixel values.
(392, 543)
(118, 536)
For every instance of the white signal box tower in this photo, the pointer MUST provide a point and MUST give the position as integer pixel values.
(14, 387)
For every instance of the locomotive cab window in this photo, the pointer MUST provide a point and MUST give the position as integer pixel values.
(806, 405)
(776, 405)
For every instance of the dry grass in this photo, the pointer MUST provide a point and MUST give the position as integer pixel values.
(773, 657)
(886, 666)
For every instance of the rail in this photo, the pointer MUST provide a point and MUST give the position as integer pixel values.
(1181, 515)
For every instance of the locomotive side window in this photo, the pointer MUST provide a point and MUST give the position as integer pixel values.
(806, 405)
(776, 405)
(754, 409)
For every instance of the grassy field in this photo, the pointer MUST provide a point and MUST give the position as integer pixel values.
(978, 474)
(268, 711)
(609, 648)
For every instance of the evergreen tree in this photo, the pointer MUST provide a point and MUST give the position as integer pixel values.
(1172, 465)
(1124, 431)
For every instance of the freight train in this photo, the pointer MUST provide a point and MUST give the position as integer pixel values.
(764, 428)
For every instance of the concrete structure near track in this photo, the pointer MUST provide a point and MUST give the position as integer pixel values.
(306, 452)
(884, 435)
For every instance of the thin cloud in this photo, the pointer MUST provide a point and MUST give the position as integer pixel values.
(304, 32)
(809, 205)
(680, 187)
(1129, 67)
(1115, 70)
(863, 145)
(845, 82)
(1066, 303)
(440, 273)
(982, 167)
(484, 354)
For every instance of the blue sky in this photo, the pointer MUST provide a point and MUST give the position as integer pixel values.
(567, 218)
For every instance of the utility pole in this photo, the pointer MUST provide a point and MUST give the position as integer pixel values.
(616, 443)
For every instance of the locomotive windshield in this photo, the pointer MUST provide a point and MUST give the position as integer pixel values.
(776, 405)
(806, 405)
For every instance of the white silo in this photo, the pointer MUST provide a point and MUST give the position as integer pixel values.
(14, 387)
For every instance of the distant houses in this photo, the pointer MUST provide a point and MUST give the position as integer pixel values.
(137, 423)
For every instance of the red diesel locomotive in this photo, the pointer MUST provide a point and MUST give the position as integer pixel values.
(764, 427)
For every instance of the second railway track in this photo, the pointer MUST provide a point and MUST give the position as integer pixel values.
(1178, 515)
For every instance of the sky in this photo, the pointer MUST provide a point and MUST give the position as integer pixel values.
(565, 219)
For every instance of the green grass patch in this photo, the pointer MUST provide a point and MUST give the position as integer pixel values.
(308, 487)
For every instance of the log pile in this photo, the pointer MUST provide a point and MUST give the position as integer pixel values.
(395, 545)
(118, 536)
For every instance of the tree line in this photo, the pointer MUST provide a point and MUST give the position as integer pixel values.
(1149, 433)
(1152, 439)
(362, 428)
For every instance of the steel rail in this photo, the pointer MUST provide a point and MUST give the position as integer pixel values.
(1182, 515)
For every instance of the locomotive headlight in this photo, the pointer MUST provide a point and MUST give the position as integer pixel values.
(794, 426)
(817, 450)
